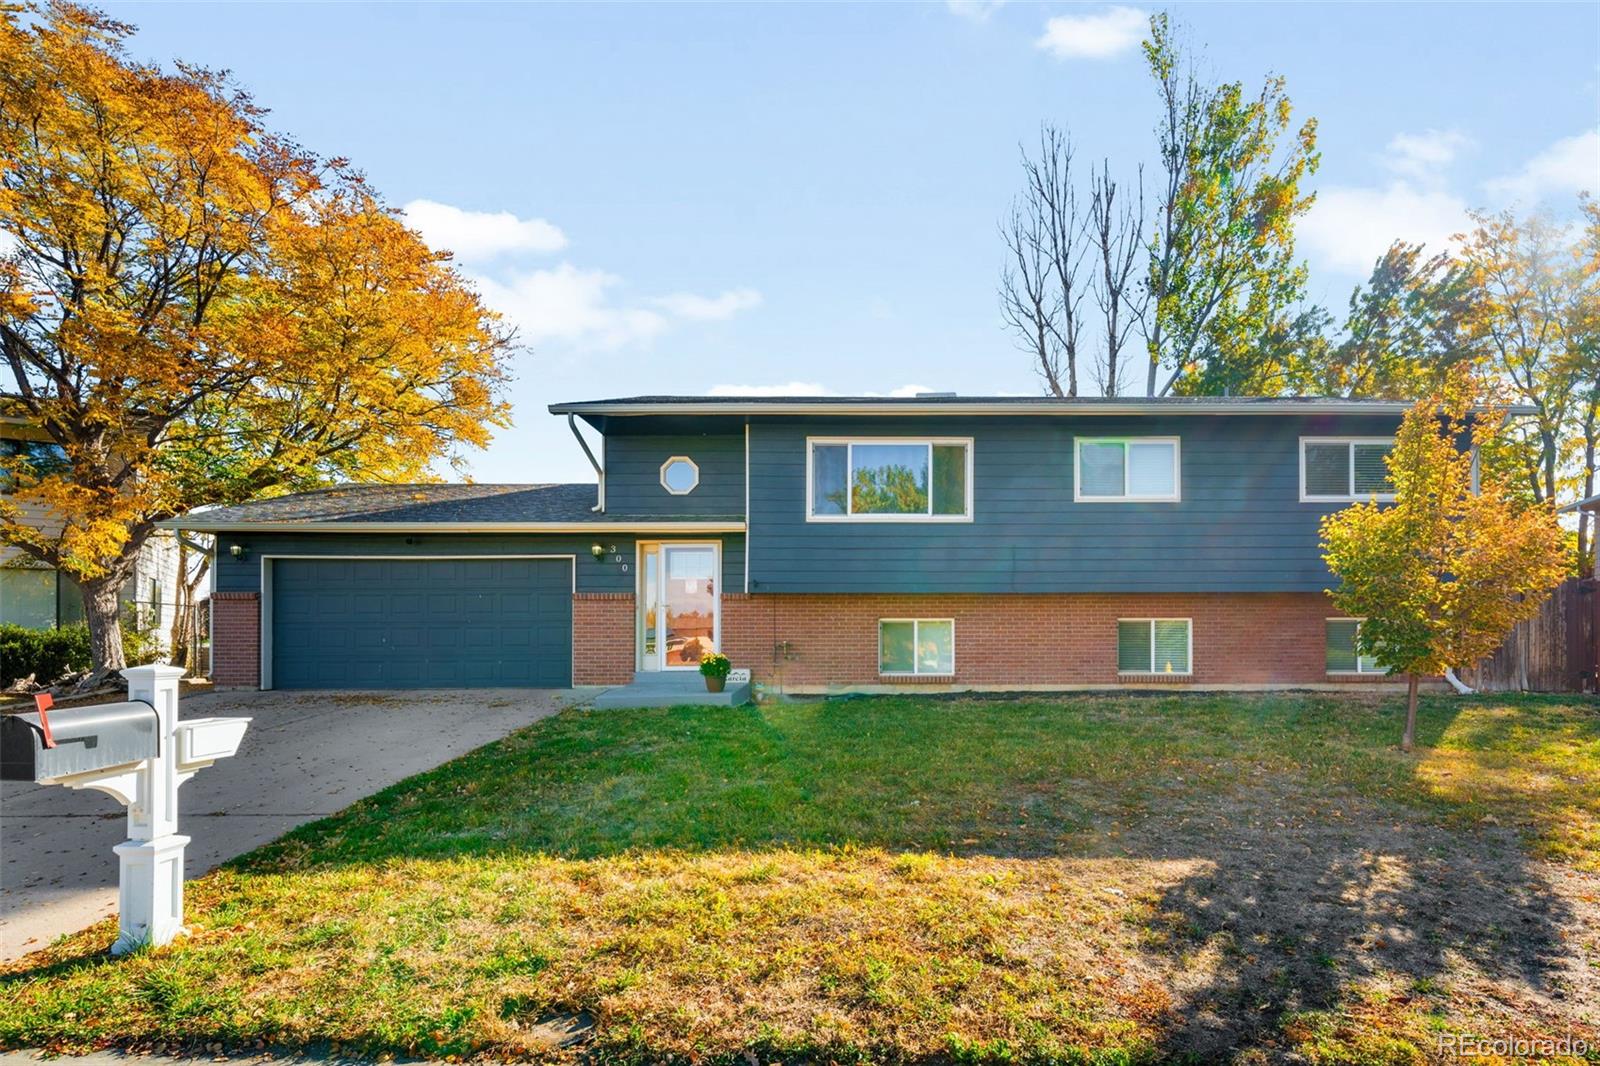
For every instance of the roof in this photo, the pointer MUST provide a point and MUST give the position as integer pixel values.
(948, 403)
(1588, 503)
(434, 507)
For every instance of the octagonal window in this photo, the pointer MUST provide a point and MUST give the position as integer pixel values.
(680, 475)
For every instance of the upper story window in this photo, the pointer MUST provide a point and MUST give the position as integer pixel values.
(1130, 468)
(42, 457)
(1345, 468)
(680, 475)
(889, 479)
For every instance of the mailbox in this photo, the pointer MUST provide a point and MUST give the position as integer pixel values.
(86, 739)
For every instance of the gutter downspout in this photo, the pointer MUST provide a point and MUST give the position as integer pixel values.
(599, 471)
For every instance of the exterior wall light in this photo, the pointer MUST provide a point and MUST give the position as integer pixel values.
(238, 551)
(597, 550)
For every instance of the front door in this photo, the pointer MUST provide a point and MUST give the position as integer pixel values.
(680, 612)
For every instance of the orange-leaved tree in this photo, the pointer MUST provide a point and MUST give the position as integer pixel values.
(194, 310)
(1442, 574)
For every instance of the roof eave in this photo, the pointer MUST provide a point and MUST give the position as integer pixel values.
(1057, 408)
(201, 525)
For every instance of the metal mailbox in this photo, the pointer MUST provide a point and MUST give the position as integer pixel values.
(43, 746)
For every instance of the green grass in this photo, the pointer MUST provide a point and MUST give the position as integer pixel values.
(1093, 879)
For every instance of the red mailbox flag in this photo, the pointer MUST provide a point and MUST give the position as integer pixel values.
(42, 702)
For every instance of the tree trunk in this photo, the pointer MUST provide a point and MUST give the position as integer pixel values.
(1411, 713)
(102, 610)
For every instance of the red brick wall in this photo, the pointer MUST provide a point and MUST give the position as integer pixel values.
(602, 638)
(236, 639)
(1020, 640)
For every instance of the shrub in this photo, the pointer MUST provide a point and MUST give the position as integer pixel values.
(715, 664)
(47, 654)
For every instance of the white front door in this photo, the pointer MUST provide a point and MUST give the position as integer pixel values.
(680, 610)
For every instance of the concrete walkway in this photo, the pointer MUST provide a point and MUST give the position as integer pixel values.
(307, 755)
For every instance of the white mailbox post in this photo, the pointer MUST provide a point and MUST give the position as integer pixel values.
(151, 886)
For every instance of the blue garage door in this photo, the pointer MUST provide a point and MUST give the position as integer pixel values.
(421, 623)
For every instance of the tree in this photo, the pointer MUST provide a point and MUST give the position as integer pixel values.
(1583, 356)
(1222, 272)
(1046, 238)
(1115, 232)
(1406, 328)
(1526, 288)
(1443, 574)
(198, 311)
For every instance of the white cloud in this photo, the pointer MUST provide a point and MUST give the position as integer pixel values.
(1569, 166)
(479, 235)
(1102, 36)
(708, 308)
(1424, 156)
(974, 10)
(908, 391)
(572, 305)
(1350, 227)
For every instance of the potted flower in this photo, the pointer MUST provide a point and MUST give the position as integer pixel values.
(715, 667)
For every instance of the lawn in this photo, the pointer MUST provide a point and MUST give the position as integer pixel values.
(1098, 879)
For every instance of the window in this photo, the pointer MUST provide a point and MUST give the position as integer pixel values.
(28, 597)
(41, 457)
(1138, 468)
(1343, 658)
(1345, 468)
(680, 475)
(889, 479)
(917, 646)
(1153, 645)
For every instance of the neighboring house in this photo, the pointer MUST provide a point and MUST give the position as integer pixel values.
(831, 543)
(39, 597)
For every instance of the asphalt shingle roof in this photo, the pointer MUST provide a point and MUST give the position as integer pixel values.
(455, 504)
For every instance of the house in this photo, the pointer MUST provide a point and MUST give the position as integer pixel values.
(39, 597)
(827, 543)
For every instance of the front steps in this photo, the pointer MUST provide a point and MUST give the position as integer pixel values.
(672, 688)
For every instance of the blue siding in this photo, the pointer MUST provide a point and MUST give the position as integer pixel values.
(1240, 526)
(235, 575)
(633, 473)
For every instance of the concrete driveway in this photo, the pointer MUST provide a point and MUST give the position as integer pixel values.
(307, 755)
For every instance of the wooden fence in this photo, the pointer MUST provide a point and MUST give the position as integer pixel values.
(1554, 651)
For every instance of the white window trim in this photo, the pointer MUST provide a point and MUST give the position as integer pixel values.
(1377, 671)
(1352, 496)
(680, 459)
(1153, 672)
(915, 640)
(851, 442)
(1078, 495)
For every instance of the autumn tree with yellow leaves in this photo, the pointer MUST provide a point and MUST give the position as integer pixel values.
(199, 311)
(1443, 573)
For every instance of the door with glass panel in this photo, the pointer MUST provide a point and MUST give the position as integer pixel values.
(680, 611)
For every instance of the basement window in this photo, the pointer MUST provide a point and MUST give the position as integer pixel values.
(916, 646)
(1154, 645)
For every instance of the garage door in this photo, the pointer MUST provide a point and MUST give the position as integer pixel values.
(421, 623)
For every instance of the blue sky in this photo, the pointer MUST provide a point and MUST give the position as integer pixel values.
(687, 198)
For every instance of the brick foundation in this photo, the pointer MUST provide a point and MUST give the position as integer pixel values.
(236, 639)
(1003, 641)
(1032, 641)
(602, 638)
